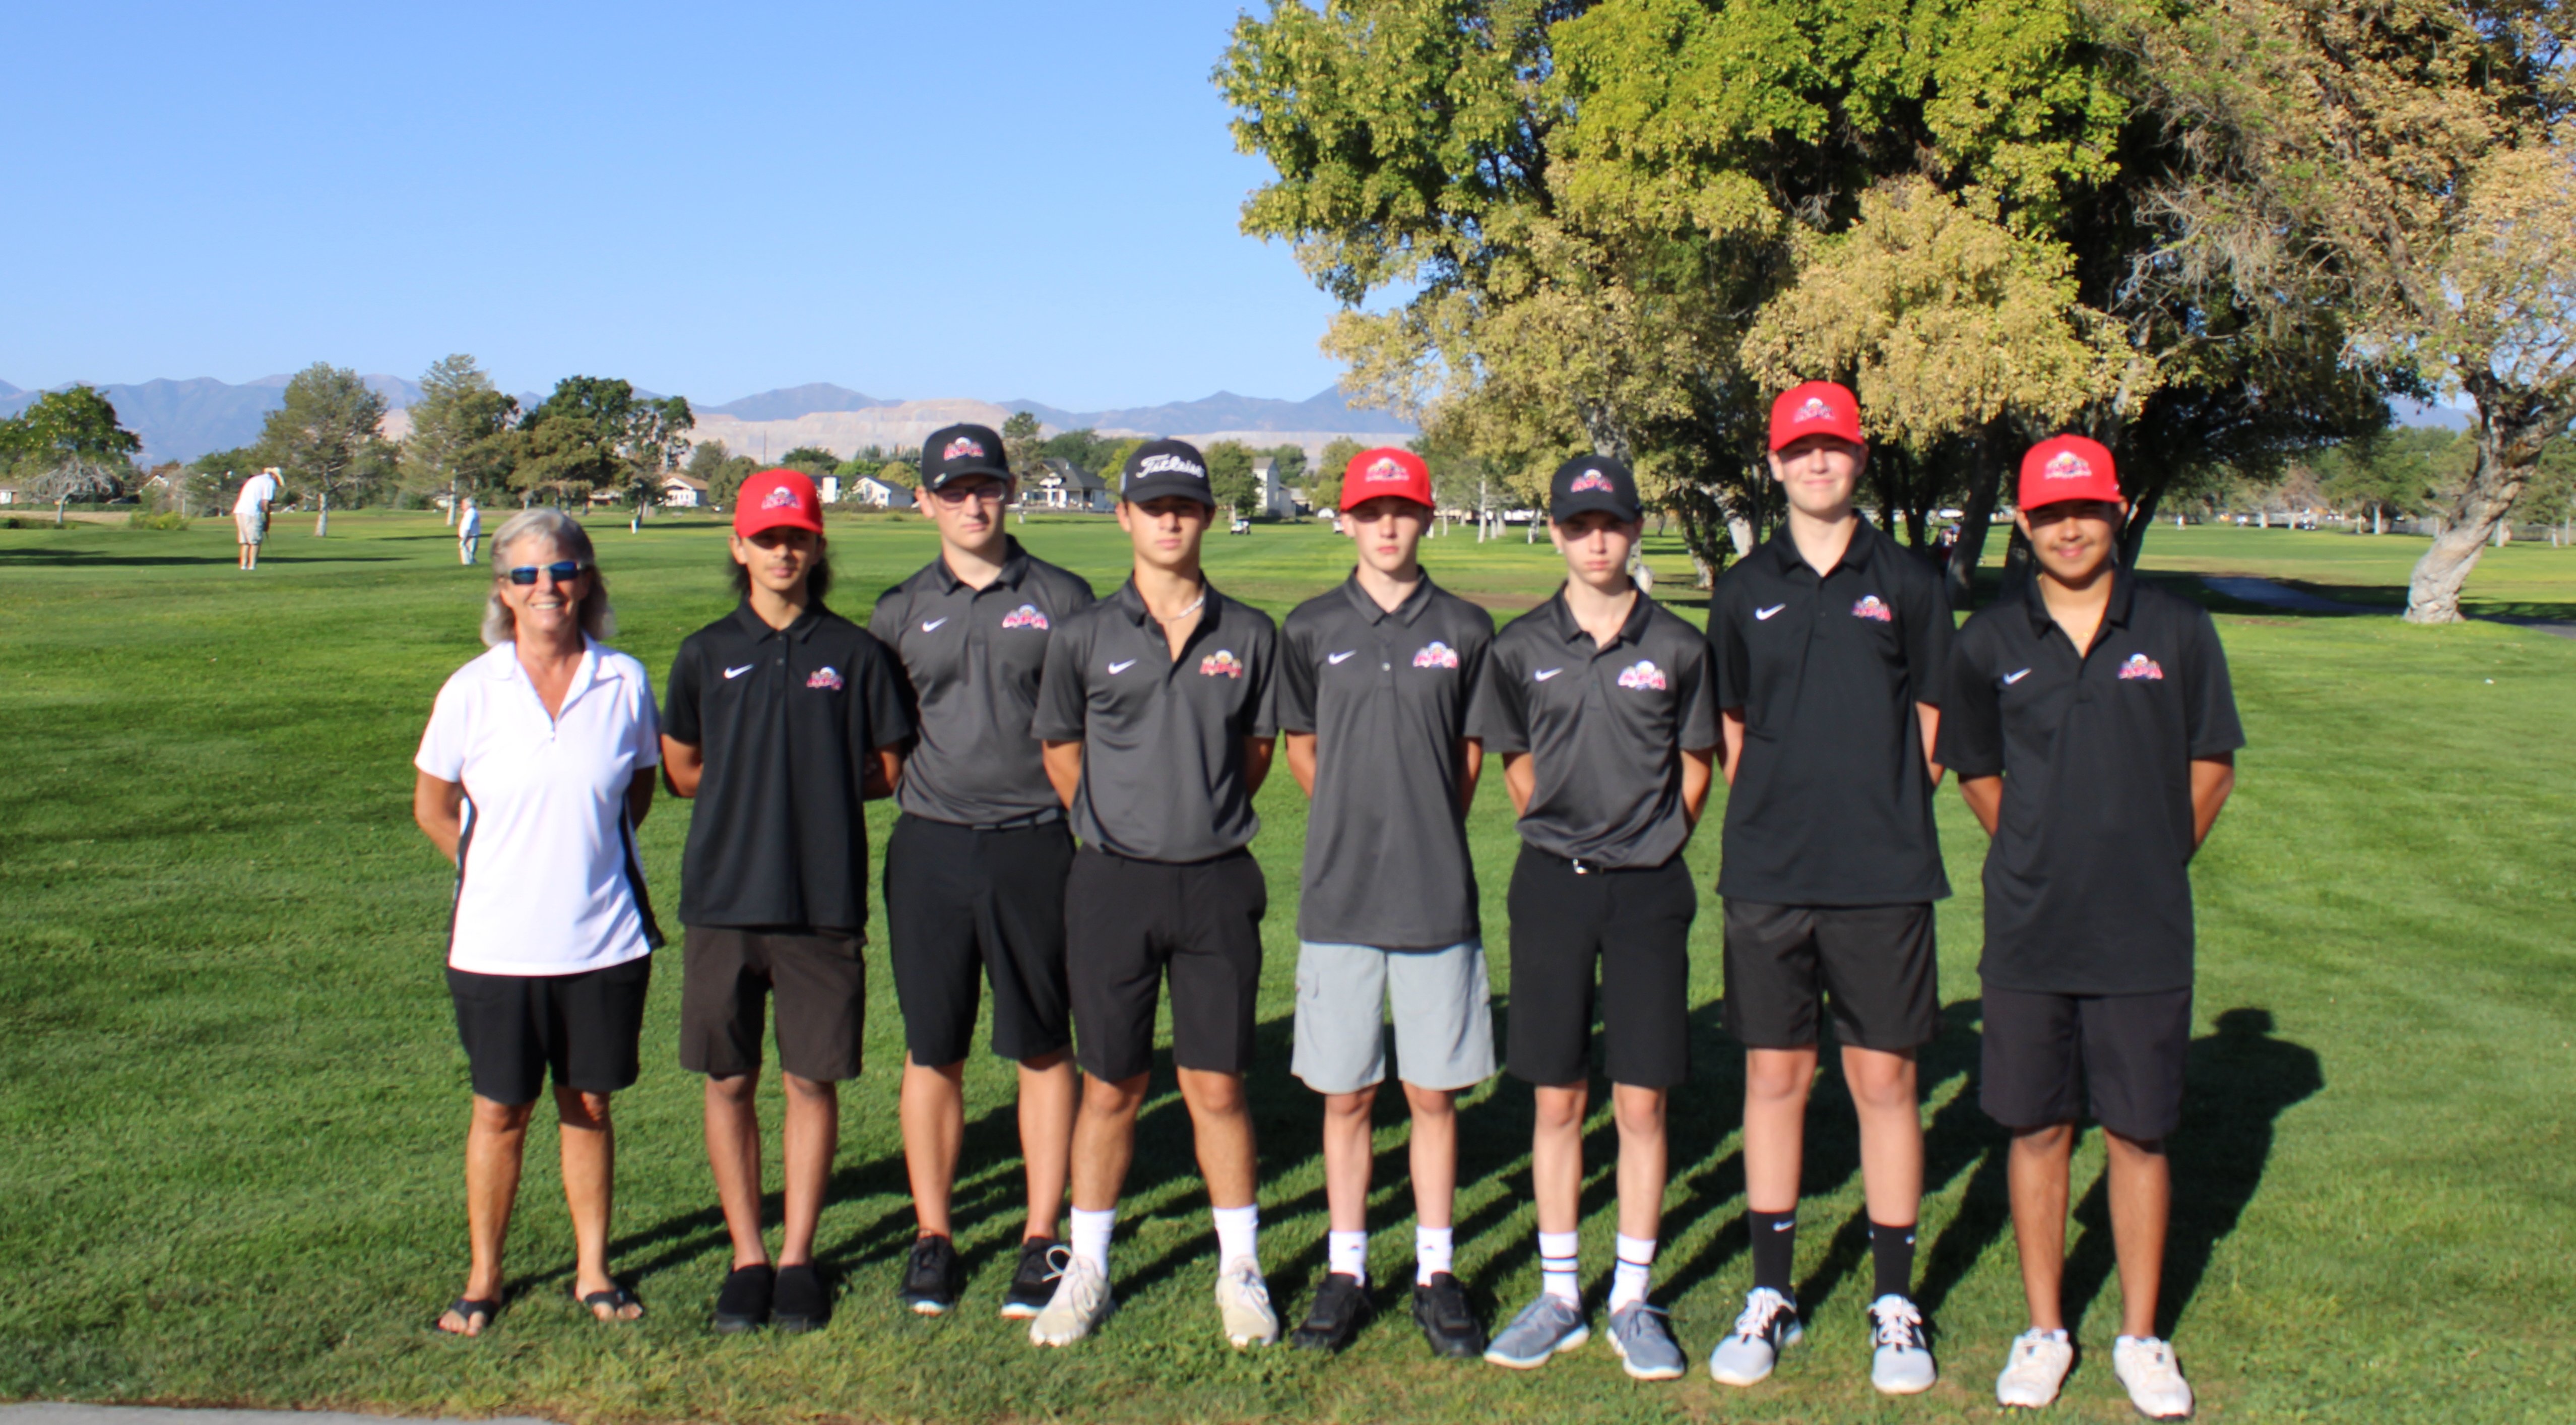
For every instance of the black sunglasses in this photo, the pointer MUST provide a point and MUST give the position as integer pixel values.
(562, 571)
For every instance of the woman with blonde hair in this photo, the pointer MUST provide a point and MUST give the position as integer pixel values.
(533, 775)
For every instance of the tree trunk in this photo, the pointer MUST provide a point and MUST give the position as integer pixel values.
(2509, 445)
(322, 517)
(58, 512)
(452, 497)
(1976, 517)
(2142, 513)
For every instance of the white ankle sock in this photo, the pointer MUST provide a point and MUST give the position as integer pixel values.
(1347, 1253)
(1431, 1253)
(1628, 1278)
(1238, 1232)
(1560, 1265)
(1091, 1236)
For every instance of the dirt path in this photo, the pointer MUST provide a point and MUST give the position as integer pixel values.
(48, 1413)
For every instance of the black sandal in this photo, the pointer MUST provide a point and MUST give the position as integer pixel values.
(465, 1308)
(616, 1299)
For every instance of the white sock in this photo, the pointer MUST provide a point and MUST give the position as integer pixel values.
(1560, 1265)
(1628, 1278)
(1347, 1253)
(1238, 1232)
(1091, 1236)
(1431, 1253)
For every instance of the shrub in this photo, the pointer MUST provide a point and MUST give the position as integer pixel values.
(166, 519)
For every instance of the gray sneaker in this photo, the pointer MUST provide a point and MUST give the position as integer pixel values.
(1544, 1327)
(1642, 1337)
(1768, 1325)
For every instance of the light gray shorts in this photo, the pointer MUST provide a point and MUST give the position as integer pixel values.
(250, 527)
(1441, 1003)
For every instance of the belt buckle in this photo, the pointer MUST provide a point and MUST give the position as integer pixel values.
(1579, 868)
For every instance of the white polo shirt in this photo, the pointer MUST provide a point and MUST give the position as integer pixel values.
(255, 491)
(548, 882)
(471, 524)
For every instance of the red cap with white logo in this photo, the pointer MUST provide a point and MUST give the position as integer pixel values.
(1815, 408)
(2067, 467)
(777, 497)
(1385, 471)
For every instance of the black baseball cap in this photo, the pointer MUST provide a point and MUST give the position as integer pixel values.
(1594, 482)
(954, 451)
(1166, 467)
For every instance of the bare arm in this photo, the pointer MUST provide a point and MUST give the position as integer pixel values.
(682, 765)
(1471, 765)
(639, 796)
(2212, 779)
(1256, 762)
(1520, 778)
(1730, 725)
(1985, 799)
(439, 806)
(884, 772)
(1064, 769)
(1929, 714)
(1696, 776)
(1301, 759)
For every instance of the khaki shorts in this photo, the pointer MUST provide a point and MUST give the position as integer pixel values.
(1441, 1002)
(251, 525)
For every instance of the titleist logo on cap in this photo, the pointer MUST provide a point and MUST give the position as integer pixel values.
(2067, 465)
(1171, 465)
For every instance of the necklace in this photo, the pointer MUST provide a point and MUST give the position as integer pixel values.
(1193, 608)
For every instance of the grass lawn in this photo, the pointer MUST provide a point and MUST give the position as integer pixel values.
(234, 1105)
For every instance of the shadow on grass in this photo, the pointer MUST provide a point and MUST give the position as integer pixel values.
(69, 558)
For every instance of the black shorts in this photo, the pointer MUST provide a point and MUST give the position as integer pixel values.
(1636, 923)
(1128, 924)
(964, 906)
(2127, 1049)
(1876, 963)
(583, 1028)
(726, 979)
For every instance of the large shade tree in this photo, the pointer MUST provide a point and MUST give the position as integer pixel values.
(459, 443)
(324, 437)
(68, 445)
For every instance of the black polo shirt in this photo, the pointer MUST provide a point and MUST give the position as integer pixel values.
(1831, 803)
(786, 721)
(1386, 694)
(2088, 885)
(972, 659)
(1605, 728)
(1162, 737)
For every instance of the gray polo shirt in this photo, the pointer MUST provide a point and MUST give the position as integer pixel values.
(1162, 737)
(973, 658)
(1386, 695)
(1605, 728)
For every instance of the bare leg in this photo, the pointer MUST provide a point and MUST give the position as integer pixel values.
(1775, 1125)
(495, 1138)
(2141, 1204)
(1640, 1114)
(1556, 1156)
(1048, 1089)
(2037, 1170)
(1347, 1158)
(1434, 1153)
(813, 1136)
(933, 1111)
(1221, 1123)
(1104, 1140)
(589, 1152)
(1891, 1132)
(733, 1150)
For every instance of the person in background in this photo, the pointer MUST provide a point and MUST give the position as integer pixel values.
(250, 514)
(536, 769)
(469, 531)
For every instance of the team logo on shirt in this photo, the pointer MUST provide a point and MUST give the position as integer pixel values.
(1643, 674)
(1384, 471)
(2141, 666)
(963, 445)
(825, 677)
(1221, 664)
(1025, 616)
(1874, 609)
(779, 497)
(2067, 465)
(1436, 655)
(1814, 410)
(1590, 480)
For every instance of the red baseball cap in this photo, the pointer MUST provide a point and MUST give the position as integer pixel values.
(2067, 467)
(1815, 408)
(1377, 474)
(777, 497)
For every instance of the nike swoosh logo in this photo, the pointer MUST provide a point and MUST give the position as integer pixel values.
(1544, 674)
(931, 624)
(733, 673)
(1766, 613)
(1117, 668)
(1336, 658)
(2012, 678)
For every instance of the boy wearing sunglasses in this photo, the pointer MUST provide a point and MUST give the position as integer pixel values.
(783, 717)
(975, 867)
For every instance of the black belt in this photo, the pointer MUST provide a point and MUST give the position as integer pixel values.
(1048, 817)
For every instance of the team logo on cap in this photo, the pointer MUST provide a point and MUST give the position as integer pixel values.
(1171, 465)
(963, 445)
(1221, 664)
(1436, 655)
(2141, 666)
(2067, 465)
(1592, 480)
(1025, 616)
(1814, 410)
(780, 497)
(1871, 607)
(1385, 470)
(825, 678)
(1643, 674)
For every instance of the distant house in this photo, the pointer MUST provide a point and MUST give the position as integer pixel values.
(869, 490)
(1063, 485)
(682, 492)
(8, 494)
(1273, 499)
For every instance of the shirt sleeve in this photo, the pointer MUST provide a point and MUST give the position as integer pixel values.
(2209, 699)
(1474, 666)
(442, 743)
(1971, 743)
(1928, 633)
(1062, 698)
(1264, 702)
(1730, 664)
(645, 726)
(1498, 717)
(881, 699)
(1296, 680)
(885, 621)
(1695, 700)
(680, 698)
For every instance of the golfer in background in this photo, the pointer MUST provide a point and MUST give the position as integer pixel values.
(534, 773)
(250, 514)
(469, 532)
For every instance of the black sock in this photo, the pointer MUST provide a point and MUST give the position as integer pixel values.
(1891, 1257)
(1775, 1248)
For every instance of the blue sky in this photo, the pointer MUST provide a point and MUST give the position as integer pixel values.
(954, 199)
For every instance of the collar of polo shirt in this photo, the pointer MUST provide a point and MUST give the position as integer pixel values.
(1132, 604)
(1856, 553)
(1569, 629)
(758, 627)
(2116, 612)
(1015, 563)
(1406, 612)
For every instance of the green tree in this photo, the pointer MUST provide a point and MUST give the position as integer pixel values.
(814, 460)
(460, 442)
(1112, 469)
(1289, 462)
(1324, 486)
(1023, 444)
(69, 445)
(324, 437)
(721, 469)
(1230, 476)
(1083, 449)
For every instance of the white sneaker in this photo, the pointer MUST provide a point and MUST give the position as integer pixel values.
(1081, 1302)
(1767, 1325)
(1902, 1363)
(1243, 1301)
(2035, 1370)
(2147, 1367)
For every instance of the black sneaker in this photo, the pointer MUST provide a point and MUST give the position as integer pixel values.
(933, 1278)
(742, 1304)
(1447, 1321)
(802, 1302)
(1042, 1260)
(1334, 1321)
